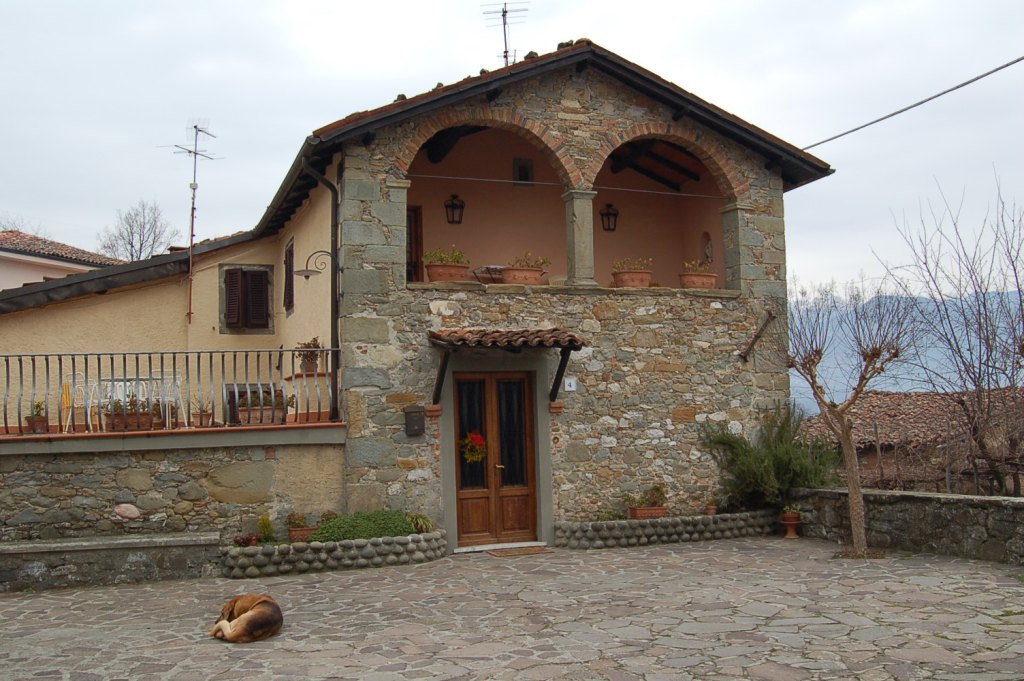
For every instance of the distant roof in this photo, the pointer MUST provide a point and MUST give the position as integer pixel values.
(902, 419)
(16, 241)
(111, 277)
(797, 167)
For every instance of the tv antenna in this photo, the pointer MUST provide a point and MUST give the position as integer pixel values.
(196, 127)
(507, 20)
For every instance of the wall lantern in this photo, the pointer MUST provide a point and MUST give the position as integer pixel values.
(453, 209)
(609, 217)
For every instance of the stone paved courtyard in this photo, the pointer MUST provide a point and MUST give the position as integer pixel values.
(734, 609)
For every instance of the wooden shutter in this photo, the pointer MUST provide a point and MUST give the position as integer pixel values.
(257, 301)
(289, 277)
(233, 297)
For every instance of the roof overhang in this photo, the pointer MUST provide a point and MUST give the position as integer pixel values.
(509, 340)
(797, 167)
(106, 279)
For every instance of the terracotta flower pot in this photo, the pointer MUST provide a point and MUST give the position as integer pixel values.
(296, 534)
(444, 272)
(37, 424)
(712, 509)
(790, 521)
(698, 280)
(632, 279)
(521, 275)
(260, 415)
(647, 512)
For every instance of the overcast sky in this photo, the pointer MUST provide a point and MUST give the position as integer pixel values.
(91, 90)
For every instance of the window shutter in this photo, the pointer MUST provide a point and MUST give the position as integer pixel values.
(233, 297)
(257, 301)
(289, 277)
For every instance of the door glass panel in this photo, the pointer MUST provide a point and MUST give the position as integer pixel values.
(471, 419)
(512, 431)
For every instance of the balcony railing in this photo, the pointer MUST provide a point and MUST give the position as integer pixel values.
(120, 391)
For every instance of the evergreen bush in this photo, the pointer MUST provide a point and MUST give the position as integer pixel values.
(765, 472)
(365, 525)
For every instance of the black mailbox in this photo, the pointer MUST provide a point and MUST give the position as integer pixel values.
(415, 421)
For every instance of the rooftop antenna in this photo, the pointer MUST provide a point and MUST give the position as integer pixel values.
(196, 127)
(507, 20)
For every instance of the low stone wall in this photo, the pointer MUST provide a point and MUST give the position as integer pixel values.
(349, 554)
(106, 560)
(190, 488)
(613, 533)
(986, 528)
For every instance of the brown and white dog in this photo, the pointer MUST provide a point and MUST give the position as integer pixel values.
(248, 618)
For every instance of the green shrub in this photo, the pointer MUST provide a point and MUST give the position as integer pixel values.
(755, 474)
(265, 528)
(365, 525)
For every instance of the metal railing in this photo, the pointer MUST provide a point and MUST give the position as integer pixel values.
(118, 391)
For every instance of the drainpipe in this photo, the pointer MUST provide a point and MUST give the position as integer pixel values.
(307, 168)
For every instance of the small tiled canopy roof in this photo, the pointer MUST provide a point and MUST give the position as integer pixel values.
(507, 339)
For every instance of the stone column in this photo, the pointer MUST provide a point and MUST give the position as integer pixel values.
(736, 238)
(579, 226)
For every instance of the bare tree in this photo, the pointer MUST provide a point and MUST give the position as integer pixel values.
(141, 232)
(967, 289)
(864, 322)
(22, 225)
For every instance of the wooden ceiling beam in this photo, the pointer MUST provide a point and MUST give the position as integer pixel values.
(441, 144)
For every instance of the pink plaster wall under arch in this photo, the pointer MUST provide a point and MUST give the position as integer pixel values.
(656, 223)
(502, 219)
(536, 134)
(694, 139)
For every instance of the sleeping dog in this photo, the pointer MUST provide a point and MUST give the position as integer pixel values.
(248, 618)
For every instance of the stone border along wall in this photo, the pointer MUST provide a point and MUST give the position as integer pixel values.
(613, 533)
(93, 561)
(985, 528)
(349, 554)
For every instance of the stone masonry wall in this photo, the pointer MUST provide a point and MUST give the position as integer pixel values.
(987, 528)
(661, 362)
(223, 490)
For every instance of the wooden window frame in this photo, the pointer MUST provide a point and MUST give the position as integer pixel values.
(289, 277)
(246, 298)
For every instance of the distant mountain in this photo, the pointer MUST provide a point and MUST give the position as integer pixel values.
(838, 373)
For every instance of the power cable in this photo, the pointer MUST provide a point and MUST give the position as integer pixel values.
(912, 106)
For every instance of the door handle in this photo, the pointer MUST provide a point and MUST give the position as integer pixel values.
(498, 465)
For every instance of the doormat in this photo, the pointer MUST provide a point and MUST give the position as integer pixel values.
(520, 551)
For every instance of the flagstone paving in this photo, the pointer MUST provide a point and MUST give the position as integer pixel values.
(759, 608)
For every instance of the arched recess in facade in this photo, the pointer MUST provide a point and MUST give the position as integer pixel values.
(670, 190)
(508, 174)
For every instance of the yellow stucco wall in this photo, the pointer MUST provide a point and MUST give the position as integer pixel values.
(150, 317)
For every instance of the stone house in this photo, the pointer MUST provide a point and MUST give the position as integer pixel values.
(576, 391)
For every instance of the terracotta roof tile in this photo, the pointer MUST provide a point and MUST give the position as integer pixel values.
(508, 338)
(30, 244)
(903, 419)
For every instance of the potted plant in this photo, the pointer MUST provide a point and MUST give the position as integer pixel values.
(632, 272)
(310, 359)
(650, 503)
(791, 520)
(134, 413)
(711, 505)
(36, 421)
(202, 411)
(446, 264)
(263, 406)
(298, 528)
(524, 269)
(697, 274)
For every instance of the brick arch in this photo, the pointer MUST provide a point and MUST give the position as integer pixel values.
(533, 132)
(725, 173)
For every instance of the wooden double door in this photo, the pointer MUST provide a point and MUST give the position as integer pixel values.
(496, 488)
